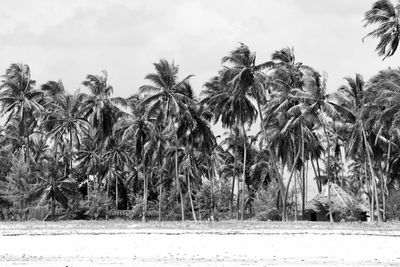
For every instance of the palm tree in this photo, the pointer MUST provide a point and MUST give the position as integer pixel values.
(170, 96)
(227, 97)
(189, 163)
(358, 114)
(66, 119)
(386, 15)
(233, 141)
(137, 126)
(20, 100)
(211, 162)
(116, 156)
(385, 86)
(285, 119)
(89, 158)
(194, 133)
(58, 188)
(100, 106)
(316, 104)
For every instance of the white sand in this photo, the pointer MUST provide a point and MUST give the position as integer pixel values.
(199, 248)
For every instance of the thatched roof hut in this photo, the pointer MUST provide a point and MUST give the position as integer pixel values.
(343, 205)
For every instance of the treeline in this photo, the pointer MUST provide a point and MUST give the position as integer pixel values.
(154, 153)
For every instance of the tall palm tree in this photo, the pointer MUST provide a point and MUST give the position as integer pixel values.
(246, 77)
(168, 94)
(317, 104)
(66, 119)
(20, 100)
(137, 126)
(286, 76)
(101, 108)
(230, 168)
(353, 101)
(387, 17)
(385, 86)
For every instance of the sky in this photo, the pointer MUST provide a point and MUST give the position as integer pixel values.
(69, 39)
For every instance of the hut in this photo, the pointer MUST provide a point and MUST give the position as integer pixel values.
(344, 206)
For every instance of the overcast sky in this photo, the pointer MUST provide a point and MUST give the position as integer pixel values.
(68, 39)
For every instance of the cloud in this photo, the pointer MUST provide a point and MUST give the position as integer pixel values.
(69, 39)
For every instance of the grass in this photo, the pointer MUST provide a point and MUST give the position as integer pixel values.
(122, 225)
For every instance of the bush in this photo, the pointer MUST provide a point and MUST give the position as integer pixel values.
(273, 215)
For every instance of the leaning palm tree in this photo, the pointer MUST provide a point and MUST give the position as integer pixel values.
(387, 16)
(170, 96)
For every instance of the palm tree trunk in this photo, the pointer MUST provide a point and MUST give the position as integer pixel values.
(271, 153)
(244, 171)
(303, 199)
(233, 184)
(286, 192)
(329, 173)
(295, 199)
(319, 182)
(315, 174)
(177, 171)
(145, 188)
(373, 182)
(282, 196)
(108, 194)
(383, 195)
(70, 152)
(161, 196)
(190, 196)
(371, 205)
(88, 187)
(179, 186)
(387, 169)
(211, 177)
(53, 208)
(27, 148)
(160, 201)
(116, 192)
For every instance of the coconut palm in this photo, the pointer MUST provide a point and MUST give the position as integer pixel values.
(386, 15)
(233, 141)
(20, 100)
(67, 120)
(359, 116)
(286, 76)
(171, 96)
(385, 86)
(101, 108)
(315, 104)
(137, 127)
(89, 158)
(116, 156)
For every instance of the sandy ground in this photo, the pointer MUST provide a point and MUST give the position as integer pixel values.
(201, 247)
